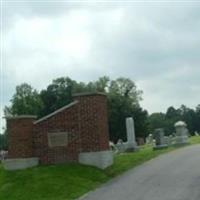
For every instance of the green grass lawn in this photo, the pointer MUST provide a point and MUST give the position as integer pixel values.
(68, 181)
(61, 182)
(195, 140)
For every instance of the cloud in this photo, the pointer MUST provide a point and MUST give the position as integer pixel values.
(156, 46)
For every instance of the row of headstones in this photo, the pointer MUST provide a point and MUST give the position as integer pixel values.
(158, 141)
(161, 141)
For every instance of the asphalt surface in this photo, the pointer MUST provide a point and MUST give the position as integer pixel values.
(172, 176)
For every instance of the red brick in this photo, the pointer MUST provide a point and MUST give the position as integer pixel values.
(86, 123)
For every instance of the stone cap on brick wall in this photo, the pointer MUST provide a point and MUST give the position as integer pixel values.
(21, 117)
(55, 112)
(88, 94)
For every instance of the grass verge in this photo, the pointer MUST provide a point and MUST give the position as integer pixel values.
(68, 181)
(195, 140)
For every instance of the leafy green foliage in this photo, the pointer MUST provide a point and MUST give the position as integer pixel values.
(168, 119)
(3, 141)
(156, 120)
(123, 101)
(57, 94)
(26, 100)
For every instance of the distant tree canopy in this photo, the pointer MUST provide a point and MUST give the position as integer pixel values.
(123, 101)
(26, 100)
(168, 119)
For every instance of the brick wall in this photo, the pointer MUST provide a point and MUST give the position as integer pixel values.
(93, 122)
(64, 121)
(20, 136)
(84, 121)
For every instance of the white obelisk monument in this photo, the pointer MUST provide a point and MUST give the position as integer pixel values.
(130, 129)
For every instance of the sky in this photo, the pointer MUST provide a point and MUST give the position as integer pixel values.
(156, 44)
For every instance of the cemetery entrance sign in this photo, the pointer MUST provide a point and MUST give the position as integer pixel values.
(77, 132)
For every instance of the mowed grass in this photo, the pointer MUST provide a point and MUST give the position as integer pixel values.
(68, 181)
(195, 140)
(60, 182)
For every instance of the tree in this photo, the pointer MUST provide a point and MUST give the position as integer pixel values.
(57, 94)
(3, 141)
(172, 113)
(197, 120)
(101, 85)
(168, 119)
(123, 101)
(141, 122)
(156, 120)
(26, 100)
(125, 88)
(172, 116)
(189, 116)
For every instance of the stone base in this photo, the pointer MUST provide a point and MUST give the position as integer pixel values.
(127, 147)
(100, 159)
(120, 148)
(19, 163)
(181, 140)
(131, 147)
(180, 144)
(158, 147)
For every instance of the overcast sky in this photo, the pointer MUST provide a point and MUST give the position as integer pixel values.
(157, 45)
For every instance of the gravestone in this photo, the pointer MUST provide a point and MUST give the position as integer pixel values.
(113, 147)
(171, 139)
(160, 142)
(181, 133)
(166, 140)
(196, 133)
(149, 139)
(131, 144)
(121, 147)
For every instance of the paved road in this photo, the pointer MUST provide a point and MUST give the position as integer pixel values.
(173, 176)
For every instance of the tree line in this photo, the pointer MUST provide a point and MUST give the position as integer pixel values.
(123, 101)
(122, 94)
(172, 115)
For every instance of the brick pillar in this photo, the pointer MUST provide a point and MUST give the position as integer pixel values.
(20, 136)
(93, 121)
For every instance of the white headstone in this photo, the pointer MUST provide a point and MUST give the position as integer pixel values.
(149, 139)
(181, 132)
(130, 129)
(131, 144)
(121, 147)
(196, 133)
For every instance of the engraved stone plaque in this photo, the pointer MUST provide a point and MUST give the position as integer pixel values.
(56, 139)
